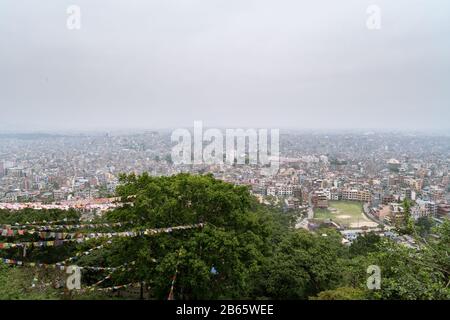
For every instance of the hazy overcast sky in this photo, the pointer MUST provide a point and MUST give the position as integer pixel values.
(249, 63)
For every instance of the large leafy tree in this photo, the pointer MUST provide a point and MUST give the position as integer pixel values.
(303, 264)
(421, 272)
(216, 261)
(364, 244)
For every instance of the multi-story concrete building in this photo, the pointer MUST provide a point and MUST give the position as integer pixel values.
(319, 199)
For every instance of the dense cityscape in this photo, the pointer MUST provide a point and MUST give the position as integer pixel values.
(214, 158)
(378, 170)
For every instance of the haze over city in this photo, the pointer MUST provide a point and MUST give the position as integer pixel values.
(163, 64)
(224, 154)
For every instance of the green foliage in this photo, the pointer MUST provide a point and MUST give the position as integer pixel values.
(424, 226)
(254, 250)
(343, 293)
(234, 241)
(408, 275)
(407, 225)
(303, 264)
(365, 244)
(15, 284)
(30, 215)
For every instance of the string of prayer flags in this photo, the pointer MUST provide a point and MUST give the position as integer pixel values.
(121, 268)
(80, 237)
(38, 223)
(60, 266)
(85, 253)
(174, 278)
(41, 234)
(50, 231)
(80, 226)
(128, 285)
(170, 229)
(53, 243)
(101, 281)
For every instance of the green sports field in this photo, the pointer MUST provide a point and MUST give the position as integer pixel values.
(347, 213)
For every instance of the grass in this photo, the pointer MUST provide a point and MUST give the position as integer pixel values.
(346, 214)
